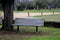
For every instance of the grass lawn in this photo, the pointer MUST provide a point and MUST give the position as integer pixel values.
(42, 10)
(54, 18)
(45, 33)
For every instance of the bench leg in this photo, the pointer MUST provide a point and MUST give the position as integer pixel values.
(36, 28)
(17, 28)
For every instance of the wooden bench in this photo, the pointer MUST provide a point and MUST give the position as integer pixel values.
(0, 20)
(29, 22)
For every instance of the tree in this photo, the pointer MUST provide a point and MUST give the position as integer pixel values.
(31, 5)
(21, 7)
(7, 6)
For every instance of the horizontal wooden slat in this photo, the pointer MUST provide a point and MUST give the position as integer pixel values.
(29, 21)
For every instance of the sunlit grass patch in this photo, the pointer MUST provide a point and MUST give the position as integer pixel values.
(54, 18)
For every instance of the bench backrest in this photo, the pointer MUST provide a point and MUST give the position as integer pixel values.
(29, 21)
(0, 20)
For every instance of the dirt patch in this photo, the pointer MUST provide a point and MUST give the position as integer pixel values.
(24, 33)
(25, 14)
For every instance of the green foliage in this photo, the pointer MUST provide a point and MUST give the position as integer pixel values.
(38, 4)
(31, 5)
(21, 7)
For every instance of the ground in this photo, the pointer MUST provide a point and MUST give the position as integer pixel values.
(28, 33)
(25, 14)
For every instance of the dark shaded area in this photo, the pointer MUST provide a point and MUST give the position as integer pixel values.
(52, 24)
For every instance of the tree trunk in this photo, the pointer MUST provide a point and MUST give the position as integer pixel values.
(8, 15)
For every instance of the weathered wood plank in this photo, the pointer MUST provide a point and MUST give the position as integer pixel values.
(29, 21)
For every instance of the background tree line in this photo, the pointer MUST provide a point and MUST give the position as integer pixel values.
(36, 4)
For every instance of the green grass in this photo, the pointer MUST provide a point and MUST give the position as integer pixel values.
(42, 10)
(10, 37)
(38, 11)
(50, 34)
(49, 30)
(54, 18)
(44, 38)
